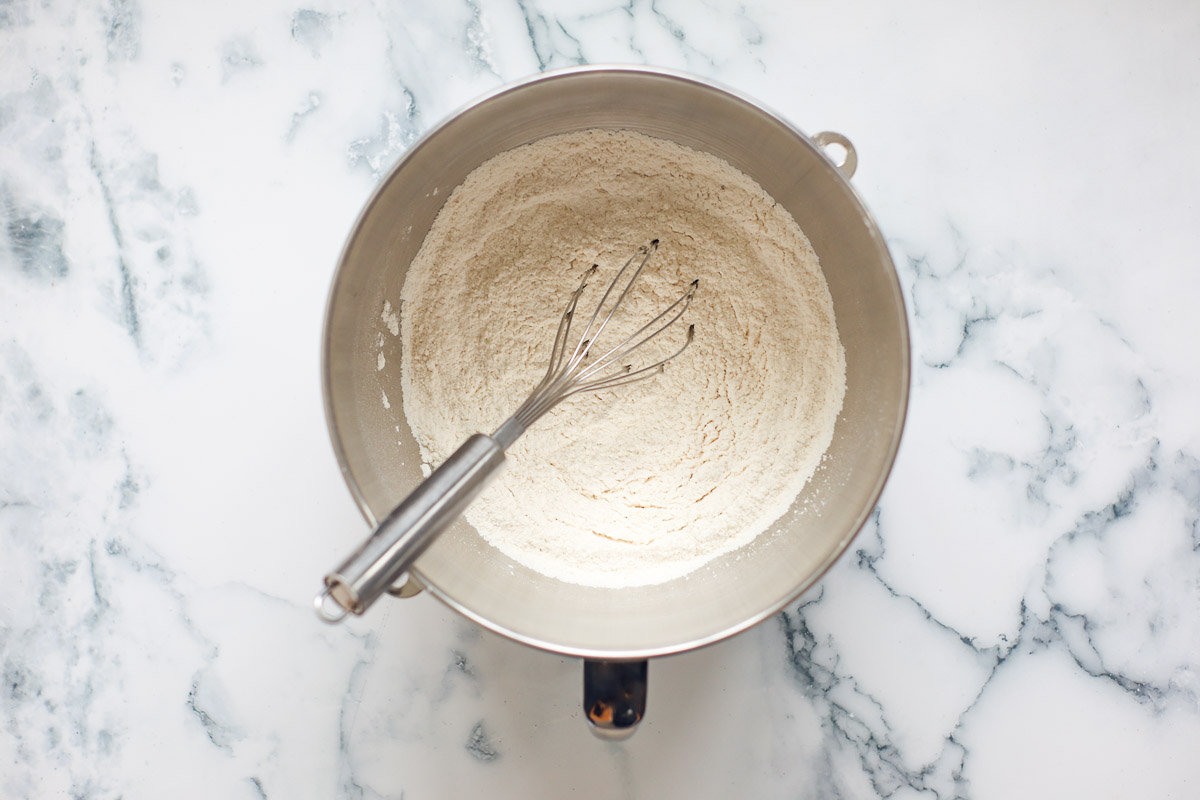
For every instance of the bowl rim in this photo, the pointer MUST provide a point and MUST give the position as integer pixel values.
(873, 232)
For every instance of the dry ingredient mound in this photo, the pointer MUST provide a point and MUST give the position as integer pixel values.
(642, 483)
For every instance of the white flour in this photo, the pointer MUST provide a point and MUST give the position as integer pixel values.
(644, 483)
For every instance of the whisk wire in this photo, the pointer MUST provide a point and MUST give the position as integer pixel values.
(619, 351)
(586, 339)
(564, 328)
(565, 377)
(631, 375)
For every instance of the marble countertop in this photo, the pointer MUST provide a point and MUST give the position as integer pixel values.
(1021, 618)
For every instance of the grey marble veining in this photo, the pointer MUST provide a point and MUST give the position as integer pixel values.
(1019, 618)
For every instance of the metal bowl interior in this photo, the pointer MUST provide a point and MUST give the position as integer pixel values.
(379, 456)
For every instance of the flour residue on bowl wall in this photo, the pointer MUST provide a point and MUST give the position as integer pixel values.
(390, 317)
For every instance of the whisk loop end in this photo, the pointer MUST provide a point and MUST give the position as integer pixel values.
(582, 371)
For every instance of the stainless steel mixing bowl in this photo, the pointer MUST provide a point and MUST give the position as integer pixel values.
(379, 457)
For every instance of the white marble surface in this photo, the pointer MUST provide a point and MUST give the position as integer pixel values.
(1020, 619)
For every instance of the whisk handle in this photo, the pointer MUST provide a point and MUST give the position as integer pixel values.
(410, 528)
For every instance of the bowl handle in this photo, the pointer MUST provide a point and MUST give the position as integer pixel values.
(614, 696)
(849, 162)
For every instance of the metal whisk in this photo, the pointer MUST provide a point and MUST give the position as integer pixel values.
(412, 526)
